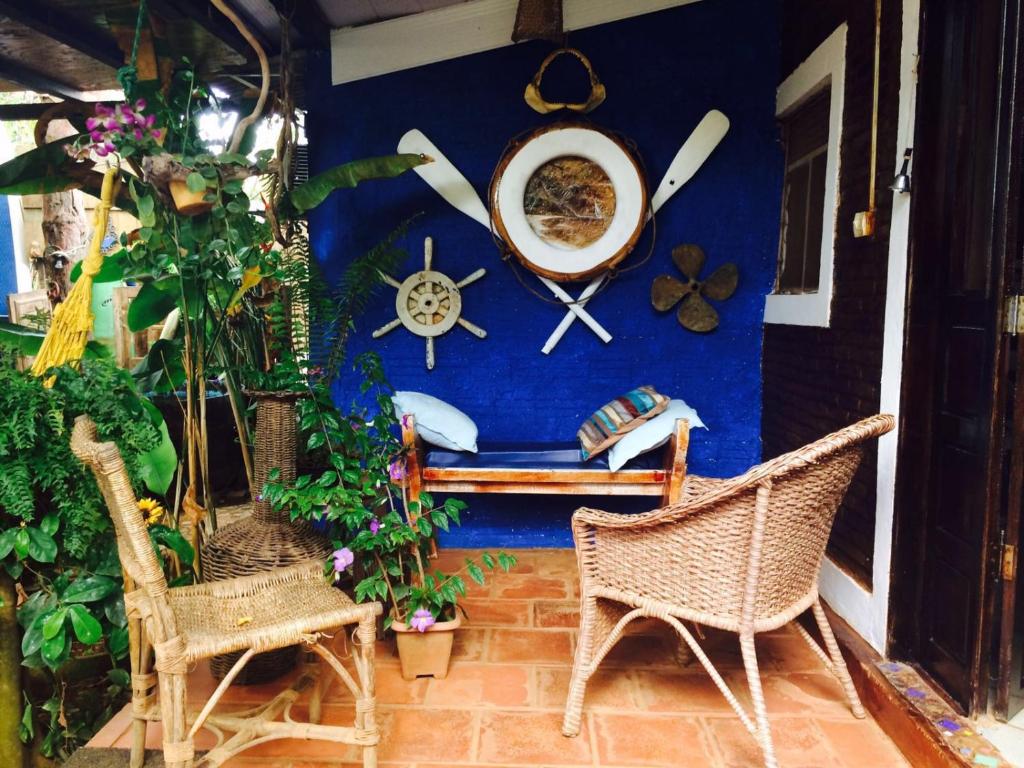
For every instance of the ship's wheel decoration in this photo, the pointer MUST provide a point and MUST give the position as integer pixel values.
(695, 314)
(429, 303)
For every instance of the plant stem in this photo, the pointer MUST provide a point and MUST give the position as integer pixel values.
(387, 581)
(11, 751)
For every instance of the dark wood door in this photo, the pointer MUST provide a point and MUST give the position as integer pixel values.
(949, 441)
(1009, 699)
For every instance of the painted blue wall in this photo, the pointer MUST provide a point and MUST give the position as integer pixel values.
(8, 275)
(663, 71)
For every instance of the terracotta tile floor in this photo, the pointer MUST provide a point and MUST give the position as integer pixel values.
(501, 704)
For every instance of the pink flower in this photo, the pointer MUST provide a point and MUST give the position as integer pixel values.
(422, 620)
(96, 136)
(374, 525)
(102, 151)
(405, 420)
(396, 470)
(91, 123)
(140, 104)
(138, 134)
(156, 133)
(343, 558)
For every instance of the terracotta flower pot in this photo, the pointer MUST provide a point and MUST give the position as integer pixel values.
(426, 654)
(187, 202)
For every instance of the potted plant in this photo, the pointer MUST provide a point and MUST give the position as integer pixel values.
(361, 501)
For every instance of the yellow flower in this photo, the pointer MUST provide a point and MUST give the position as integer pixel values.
(152, 510)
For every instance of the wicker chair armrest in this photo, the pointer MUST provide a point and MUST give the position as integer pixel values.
(312, 570)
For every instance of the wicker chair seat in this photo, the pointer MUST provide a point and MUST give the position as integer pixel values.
(263, 612)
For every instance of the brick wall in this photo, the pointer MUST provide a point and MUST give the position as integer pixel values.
(816, 380)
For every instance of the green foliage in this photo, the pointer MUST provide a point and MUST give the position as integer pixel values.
(360, 495)
(56, 538)
(307, 196)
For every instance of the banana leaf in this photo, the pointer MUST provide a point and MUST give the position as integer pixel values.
(153, 303)
(159, 464)
(27, 341)
(307, 196)
(39, 171)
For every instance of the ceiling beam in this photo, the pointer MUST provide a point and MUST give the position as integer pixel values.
(306, 18)
(37, 81)
(213, 21)
(63, 28)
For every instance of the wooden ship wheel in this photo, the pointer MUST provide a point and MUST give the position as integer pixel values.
(429, 303)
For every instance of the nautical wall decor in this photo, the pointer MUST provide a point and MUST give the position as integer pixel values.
(569, 201)
(429, 303)
(695, 314)
(538, 103)
(448, 182)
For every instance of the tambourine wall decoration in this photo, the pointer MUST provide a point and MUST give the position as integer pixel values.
(569, 201)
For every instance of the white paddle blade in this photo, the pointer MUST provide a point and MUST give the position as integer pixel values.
(445, 178)
(688, 160)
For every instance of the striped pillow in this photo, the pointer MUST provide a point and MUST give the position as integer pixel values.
(609, 424)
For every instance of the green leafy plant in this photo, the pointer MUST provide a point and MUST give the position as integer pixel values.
(359, 497)
(56, 545)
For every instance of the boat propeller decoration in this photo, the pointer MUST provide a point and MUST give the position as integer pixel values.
(695, 313)
(429, 303)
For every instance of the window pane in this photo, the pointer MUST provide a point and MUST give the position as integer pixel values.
(807, 128)
(805, 133)
(791, 269)
(815, 217)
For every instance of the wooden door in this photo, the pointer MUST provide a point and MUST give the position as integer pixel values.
(1009, 698)
(950, 457)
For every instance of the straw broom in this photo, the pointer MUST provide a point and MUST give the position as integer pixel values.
(73, 319)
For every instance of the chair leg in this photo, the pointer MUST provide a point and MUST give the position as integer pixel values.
(138, 656)
(838, 663)
(366, 709)
(178, 748)
(764, 734)
(580, 669)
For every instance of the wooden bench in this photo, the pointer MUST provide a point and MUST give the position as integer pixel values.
(577, 478)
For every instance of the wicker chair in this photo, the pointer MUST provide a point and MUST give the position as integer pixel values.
(173, 628)
(741, 555)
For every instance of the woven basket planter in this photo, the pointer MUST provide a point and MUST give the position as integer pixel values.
(267, 539)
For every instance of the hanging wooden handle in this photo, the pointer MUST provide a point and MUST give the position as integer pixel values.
(538, 103)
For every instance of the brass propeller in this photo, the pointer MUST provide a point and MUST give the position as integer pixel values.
(695, 313)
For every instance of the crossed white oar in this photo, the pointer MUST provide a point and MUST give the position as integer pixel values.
(447, 181)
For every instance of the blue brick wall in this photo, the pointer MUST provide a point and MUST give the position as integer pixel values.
(663, 71)
(8, 276)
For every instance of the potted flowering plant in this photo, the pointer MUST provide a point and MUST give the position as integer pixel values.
(379, 533)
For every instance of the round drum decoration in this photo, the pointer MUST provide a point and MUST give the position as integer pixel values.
(569, 200)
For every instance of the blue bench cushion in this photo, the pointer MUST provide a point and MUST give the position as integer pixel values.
(531, 456)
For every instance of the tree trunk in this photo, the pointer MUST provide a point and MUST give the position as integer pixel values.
(64, 229)
(11, 751)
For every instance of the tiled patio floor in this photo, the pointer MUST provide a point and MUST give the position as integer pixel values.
(501, 704)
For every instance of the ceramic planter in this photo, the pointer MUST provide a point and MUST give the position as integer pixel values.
(187, 202)
(426, 654)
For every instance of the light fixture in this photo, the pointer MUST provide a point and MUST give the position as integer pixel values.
(901, 184)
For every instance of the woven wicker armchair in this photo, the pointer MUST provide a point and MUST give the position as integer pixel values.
(741, 555)
(171, 629)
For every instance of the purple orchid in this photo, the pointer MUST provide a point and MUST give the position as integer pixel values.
(374, 525)
(111, 124)
(343, 558)
(422, 620)
(396, 470)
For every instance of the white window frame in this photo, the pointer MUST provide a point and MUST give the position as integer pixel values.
(824, 68)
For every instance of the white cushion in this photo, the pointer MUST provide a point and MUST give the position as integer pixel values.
(437, 422)
(651, 434)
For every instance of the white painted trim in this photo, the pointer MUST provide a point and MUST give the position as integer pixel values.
(457, 30)
(825, 67)
(868, 612)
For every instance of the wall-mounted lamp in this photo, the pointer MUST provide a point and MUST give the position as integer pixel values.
(901, 184)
